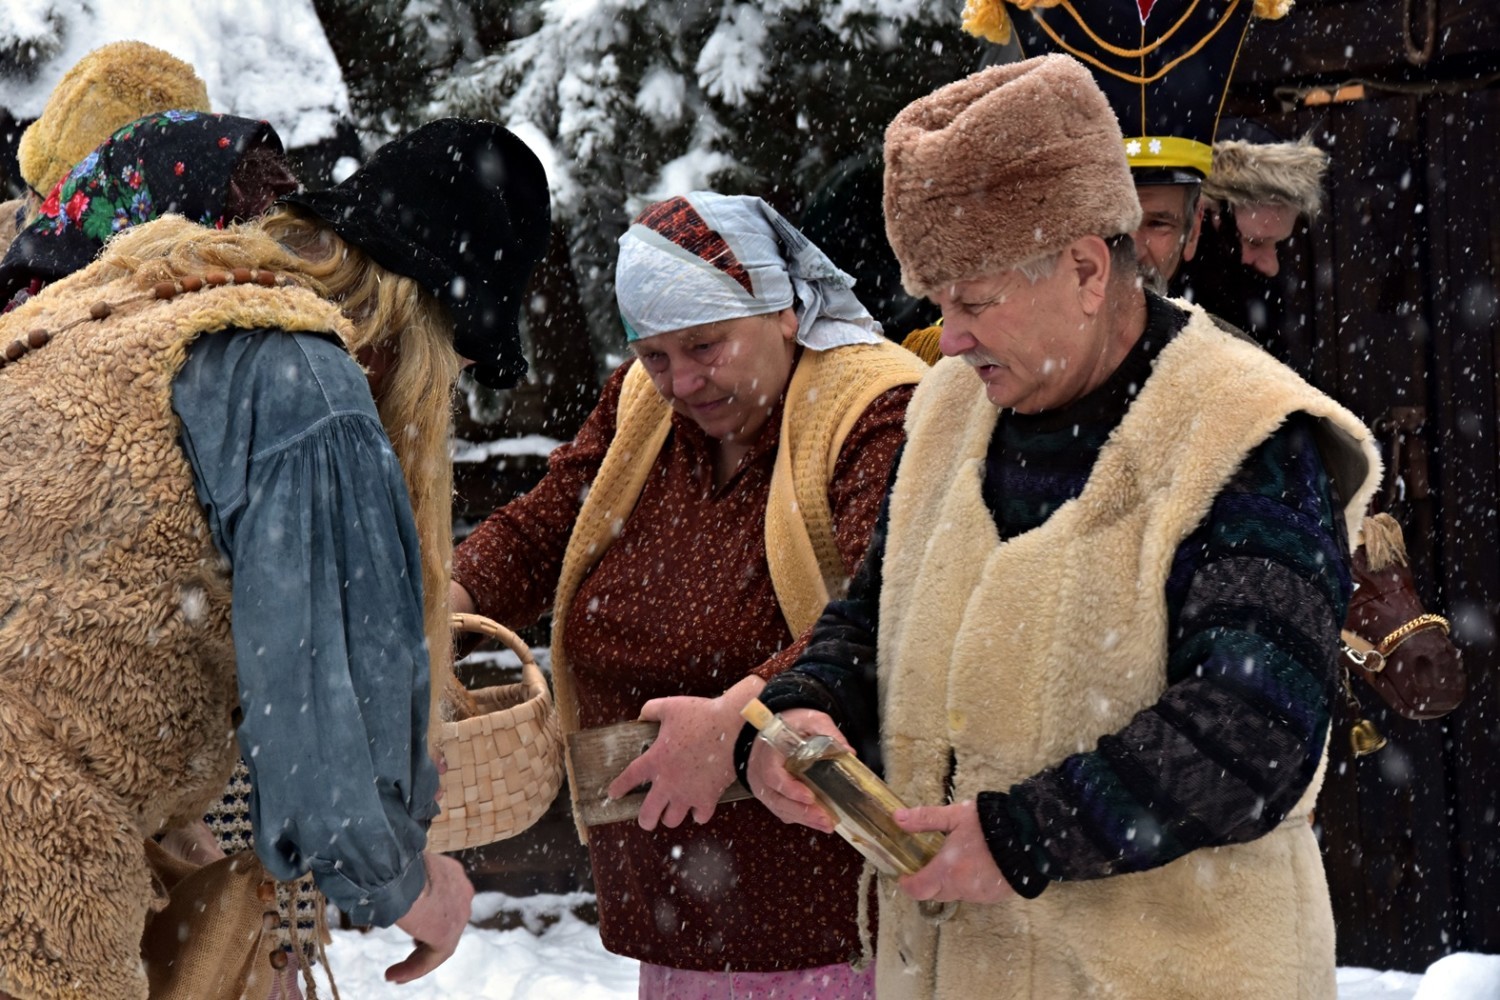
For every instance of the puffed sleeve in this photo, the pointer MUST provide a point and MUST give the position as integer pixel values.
(307, 500)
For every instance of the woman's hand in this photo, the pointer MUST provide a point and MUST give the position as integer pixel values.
(692, 760)
(436, 920)
(964, 870)
(788, 798)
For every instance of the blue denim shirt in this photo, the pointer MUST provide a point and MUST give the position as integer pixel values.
(305, 498)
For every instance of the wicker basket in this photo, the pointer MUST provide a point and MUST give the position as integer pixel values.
(505, 764)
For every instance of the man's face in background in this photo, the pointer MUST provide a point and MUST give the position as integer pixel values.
(1263, 227)
(1171, 216)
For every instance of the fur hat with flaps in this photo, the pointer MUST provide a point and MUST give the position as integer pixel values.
(1283, 173)
(106, 89)
(462, 208)
(1002, 167)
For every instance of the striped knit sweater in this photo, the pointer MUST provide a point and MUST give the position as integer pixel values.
(1255, 597)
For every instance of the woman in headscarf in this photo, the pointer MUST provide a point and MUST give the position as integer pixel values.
(685, 541)
(210, 169)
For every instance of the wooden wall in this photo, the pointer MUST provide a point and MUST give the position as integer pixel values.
(1397, 284)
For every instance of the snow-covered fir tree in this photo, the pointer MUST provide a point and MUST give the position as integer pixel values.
(632, 101)
(393, 53)
(30, 34)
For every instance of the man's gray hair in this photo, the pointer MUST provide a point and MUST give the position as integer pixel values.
(1040, 268)
(1121, 260)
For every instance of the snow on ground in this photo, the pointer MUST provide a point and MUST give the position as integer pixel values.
(259, 58)
(480, 451)
(1461, 975)
(1371, 984)
(558, 957)
(547, 952)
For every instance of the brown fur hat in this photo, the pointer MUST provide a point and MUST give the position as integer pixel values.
(1285, 173)
(1002, 167)
(110, 87)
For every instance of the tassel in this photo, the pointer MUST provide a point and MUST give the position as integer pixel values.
(986, 19)
(1383, 541)
(1271, 10)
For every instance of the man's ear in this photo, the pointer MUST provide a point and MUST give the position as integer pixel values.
(1195, 230)
(1088, 263)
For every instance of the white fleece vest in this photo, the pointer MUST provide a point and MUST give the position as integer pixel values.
(1013, 655)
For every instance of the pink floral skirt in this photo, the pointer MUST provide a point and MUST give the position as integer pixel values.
(827, 982)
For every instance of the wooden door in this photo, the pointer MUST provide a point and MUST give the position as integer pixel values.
(1395, 305)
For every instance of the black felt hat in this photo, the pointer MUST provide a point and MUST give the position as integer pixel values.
(462, 208)
(1164, 66)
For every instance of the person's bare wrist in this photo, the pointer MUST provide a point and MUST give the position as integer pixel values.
(426, 876)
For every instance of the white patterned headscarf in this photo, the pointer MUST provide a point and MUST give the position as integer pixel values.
(708, 257)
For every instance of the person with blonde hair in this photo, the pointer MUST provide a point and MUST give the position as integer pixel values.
(1261, 190)
(251, 420)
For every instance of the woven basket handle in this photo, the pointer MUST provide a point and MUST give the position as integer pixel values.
(531, 674)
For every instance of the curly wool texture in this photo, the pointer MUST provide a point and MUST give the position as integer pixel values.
(8, 210)
(110, 87)
(116, 661)
(1285, 173)
(1002, 167)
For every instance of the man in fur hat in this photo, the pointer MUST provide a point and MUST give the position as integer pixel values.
(1093, 638)
(187, 433)
(1259, 189)
(1164, 66)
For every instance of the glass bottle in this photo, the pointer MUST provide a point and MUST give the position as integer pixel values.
(861, 804)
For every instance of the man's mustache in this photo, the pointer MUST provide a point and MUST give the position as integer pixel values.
(978, 358)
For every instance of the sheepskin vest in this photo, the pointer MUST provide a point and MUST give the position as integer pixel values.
(116, 663)
(1006, 657)
(829, 391)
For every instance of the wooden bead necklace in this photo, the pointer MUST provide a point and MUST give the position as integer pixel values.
(35, 339)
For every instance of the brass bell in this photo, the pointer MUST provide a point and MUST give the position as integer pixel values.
(1364, 738)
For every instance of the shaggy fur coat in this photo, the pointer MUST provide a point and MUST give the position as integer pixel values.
(1004, 658)
(116, 665)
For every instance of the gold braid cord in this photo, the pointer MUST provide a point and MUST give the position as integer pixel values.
(987, 19)
(1133, 77)
(1389, 644)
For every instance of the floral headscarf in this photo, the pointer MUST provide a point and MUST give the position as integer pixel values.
(212, 169)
